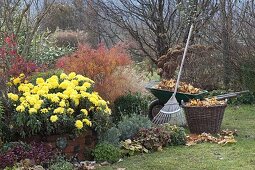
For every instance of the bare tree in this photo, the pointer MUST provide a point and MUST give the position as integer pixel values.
(153, 25)
(23, 15)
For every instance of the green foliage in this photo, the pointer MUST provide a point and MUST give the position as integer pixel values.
(62, 165)
(154, 138)
(247, 98)
(51, 53)
(101, 123)
(107, 152)
(130, 147)
(178, 135)
(130, 125)
(43, 49)
(112, 136)
(130, 104)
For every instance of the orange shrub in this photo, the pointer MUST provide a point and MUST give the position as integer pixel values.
(103, 66)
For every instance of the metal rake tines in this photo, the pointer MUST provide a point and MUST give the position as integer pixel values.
(161, 118)
(177, 109)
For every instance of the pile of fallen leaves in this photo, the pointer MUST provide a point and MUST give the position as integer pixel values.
(223, 138)
(183, 87)
(206, 102)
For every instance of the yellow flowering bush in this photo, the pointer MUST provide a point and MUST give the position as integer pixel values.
(59, 104)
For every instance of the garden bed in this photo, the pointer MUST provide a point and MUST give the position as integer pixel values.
(72, 146)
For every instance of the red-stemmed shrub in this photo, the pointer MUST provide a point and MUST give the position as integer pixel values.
(104, 66)
(11, 63)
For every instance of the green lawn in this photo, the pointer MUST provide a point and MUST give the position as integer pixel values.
(205, 156)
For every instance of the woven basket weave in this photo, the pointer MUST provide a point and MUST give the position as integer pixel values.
(204, 119)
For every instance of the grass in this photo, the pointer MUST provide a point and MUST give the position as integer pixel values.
(205, 156)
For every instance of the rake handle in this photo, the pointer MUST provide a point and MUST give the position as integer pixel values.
(183, 59)
(230, 95)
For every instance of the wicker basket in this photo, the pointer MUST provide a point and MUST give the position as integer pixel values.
(204, 119)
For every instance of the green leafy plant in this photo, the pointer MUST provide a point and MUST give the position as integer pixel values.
(131, 103)
(178, 135)
(62, 165)
(102, 122)
(107, 152)
(130, 147)
(154, 138)
(130, 125)
(112, 136)
(43, 49)
(247, 98)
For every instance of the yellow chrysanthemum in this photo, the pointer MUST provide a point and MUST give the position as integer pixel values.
(25, 104)
(24, 88)
(102, 102)
(84, 111)
(37, 106)
(54, 77)
(53, 84)
(87, 122)
(63, 76)
(44, 110)
(55, 99)
(53, 118)
(78, 124)
(59, 110)
(85, 94)
(35, 89)
(64, 84)
(80, 77)
(16, 81)
(94, 101)
(41, 92)
(22, 75)
(32, 110)
(13, 97)
(75, 82)
(20, 108)
(63, 96)
(21, 99)
(107, 110)
(76, 102)
(70, 92)
(39, 81)
(26, 94)
(91, 108)
(31, 99)
(71, 75)
(70, 110)
(62, 103)
(86, 85)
